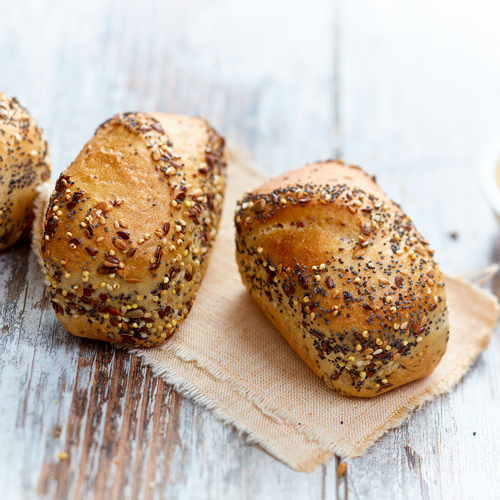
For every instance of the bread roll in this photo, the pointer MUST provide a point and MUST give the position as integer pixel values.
(130, 226)
(344, 276)
(24, 165)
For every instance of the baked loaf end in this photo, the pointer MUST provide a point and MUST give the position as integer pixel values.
(130, 226)
(344, 276)
(24, 165)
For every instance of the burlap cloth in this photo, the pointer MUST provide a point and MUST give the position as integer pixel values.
(228, 357)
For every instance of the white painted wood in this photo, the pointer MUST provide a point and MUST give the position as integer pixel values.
(419, 98)
(418, 89)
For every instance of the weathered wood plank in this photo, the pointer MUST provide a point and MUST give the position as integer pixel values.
(419, 98)
(262, 74)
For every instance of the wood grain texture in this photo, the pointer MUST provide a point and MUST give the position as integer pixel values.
(409, 90)
(248, 68)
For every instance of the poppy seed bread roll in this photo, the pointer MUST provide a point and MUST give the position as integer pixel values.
(24, 165)
(130, 226)
(344, 276)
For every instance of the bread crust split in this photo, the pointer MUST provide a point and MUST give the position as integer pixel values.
(24, 165)
(130, 226)
(344, 276)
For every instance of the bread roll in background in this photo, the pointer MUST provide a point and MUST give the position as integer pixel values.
(344, 276)
(130, 226)
(24, 165)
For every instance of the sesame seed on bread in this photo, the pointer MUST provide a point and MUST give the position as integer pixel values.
(130, 226)
(24, 165)
(344, 276)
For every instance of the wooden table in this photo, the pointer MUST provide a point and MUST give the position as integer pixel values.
(410, 90)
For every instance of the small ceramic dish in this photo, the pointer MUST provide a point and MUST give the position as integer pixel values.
(490, 176)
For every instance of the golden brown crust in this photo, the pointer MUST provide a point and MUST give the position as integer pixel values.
(344, 276)
(130, 226)
(24, 165)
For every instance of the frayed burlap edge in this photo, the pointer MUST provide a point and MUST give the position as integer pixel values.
(440, 387)
(39, 208)
(188, 390)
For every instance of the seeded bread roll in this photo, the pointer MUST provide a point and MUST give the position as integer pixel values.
(130, 226)
(24, 165)
(344, 276)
